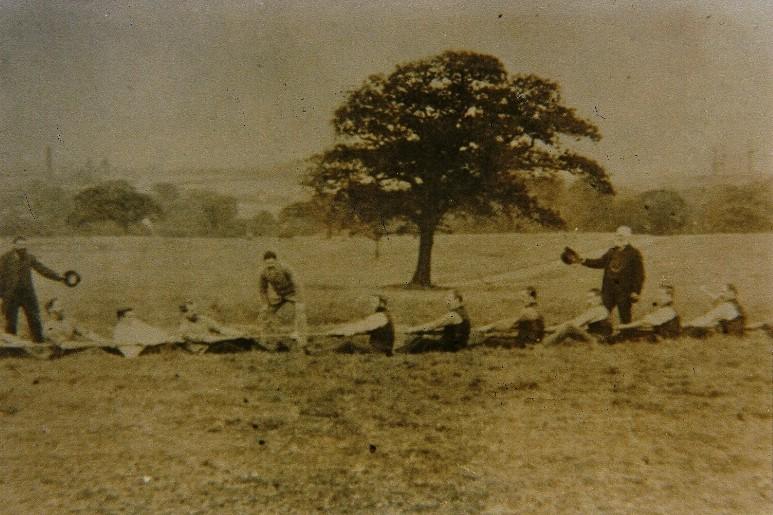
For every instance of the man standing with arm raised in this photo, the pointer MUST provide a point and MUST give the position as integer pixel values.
(18, 290)
(623, 274)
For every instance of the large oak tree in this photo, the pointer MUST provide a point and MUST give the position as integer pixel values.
(452, 133)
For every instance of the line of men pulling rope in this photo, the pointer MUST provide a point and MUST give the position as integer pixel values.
(621, 286)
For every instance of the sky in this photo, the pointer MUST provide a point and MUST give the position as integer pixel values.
(673, 86)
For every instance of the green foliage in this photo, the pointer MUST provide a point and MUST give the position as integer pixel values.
(198, 213)
(112, 201)
(450, 134)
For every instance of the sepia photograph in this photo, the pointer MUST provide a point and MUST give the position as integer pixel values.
(388, 256)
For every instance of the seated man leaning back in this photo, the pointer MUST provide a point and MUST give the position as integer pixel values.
(591, 325)
(661, 323)
(378, 326)
(526, 328)
(449, 333)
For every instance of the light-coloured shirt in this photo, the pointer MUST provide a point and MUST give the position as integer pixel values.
(660, 316)
(136, 332)
(366, 325)
(594, 314)
(723, 311)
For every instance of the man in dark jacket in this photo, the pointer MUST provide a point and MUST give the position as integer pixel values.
(449, 333)
(623, 274)
(17, 289)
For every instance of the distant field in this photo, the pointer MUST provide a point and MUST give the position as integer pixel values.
(156, 274)
(677, 427)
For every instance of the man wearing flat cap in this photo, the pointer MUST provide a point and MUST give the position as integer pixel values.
(17, 289)
(623, 274)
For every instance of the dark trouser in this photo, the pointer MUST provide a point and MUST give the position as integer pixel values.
(422, 344)
(351, 347)
(621, 299)
(633, 335)
(29, 303)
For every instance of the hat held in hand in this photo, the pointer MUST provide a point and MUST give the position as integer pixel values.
(569, 256)
(72, 278)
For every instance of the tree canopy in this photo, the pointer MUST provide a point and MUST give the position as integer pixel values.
(451, 133)
(112, 201)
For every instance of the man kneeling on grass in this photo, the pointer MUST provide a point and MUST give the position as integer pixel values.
(525, 329)
(663, 322)
(592, 325)
(378, 326)
(449, 333)
(727, 316)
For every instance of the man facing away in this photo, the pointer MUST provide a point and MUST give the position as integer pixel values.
(661, 323)
(449, 333)
(525, 329)
(591, 325)
(623, 274)
(18, 290)
(278, 288)
(726, 317)
(378, 326)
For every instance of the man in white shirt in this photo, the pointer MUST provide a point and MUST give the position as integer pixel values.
(378, 326)
(64, 331)
(131, 335)
(727, 316)
(662, 322)
(279, 288)
(526, 328)
(591, 325)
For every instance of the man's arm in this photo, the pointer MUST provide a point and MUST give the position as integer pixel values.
(724, 311)
(363, 326)
(600, 262)
(450, 318)
(264, 287)
(45, 271)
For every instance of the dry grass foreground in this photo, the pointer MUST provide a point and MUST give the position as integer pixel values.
(680, 427)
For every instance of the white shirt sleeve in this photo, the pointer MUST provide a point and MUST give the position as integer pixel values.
(660, 316)
(594, 314)
(724, 311)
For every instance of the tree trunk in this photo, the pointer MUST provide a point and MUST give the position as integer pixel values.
(422, 275)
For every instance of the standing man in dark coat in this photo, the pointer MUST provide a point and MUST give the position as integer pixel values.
(17, 289)
(623, 274)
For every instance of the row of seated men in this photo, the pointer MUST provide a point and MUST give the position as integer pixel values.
(453, 330)
(449, 333)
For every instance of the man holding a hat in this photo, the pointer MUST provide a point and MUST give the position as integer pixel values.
(18, 290)
(623, 273)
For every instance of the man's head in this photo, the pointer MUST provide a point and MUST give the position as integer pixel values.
(19, 243)
(729, 292)
(623, 235)
(54, 309)
(188, 308)
(593, 297)
(665, 295)
(377, 302)
(454, 299)
(269, 259)
(529, 295)
(125, 313)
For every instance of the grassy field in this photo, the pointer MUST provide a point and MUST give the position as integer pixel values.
(678, 427)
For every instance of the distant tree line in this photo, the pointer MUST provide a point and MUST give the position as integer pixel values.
(117, 208)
